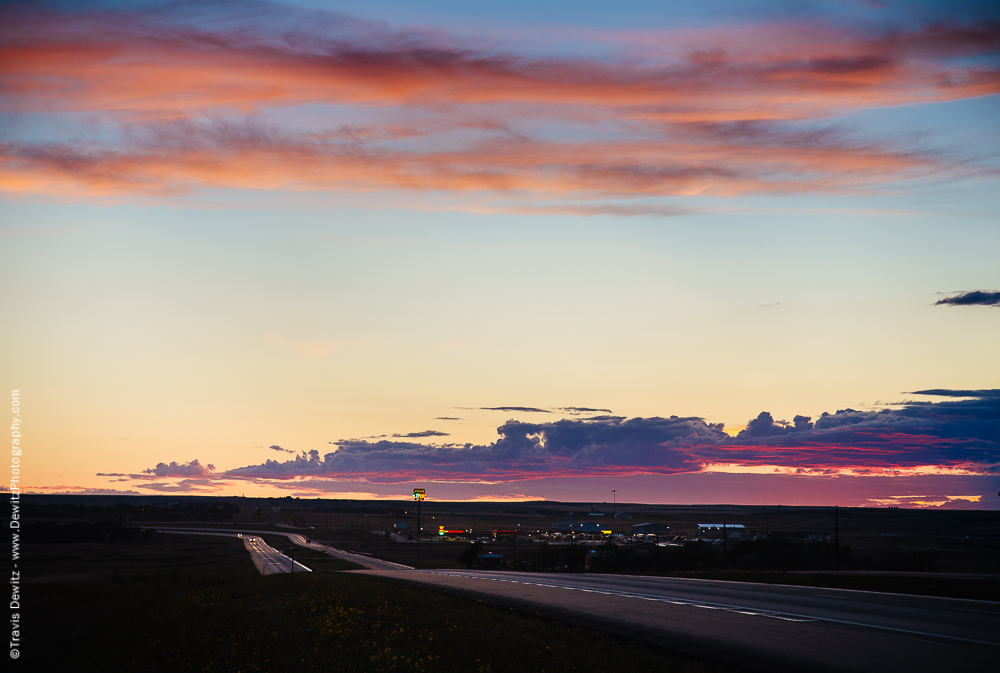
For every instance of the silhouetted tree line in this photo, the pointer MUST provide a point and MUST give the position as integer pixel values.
(41, 532)
(126, 512)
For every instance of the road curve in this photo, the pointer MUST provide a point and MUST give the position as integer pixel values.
(764, 626)
(267, 559)
(362, 560)
(301, 540)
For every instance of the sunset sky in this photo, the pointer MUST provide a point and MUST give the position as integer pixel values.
(714, 252)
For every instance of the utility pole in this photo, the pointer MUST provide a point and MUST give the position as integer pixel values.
(724, 546)
(836, 538)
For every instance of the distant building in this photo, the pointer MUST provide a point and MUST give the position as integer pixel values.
(650, 529)
(399, 525)
(623, 515)
(718, 527)
(579, 527)
(491, 561)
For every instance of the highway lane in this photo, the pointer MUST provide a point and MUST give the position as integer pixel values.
(362, 560)
(770, 627)
(766, 626)
(267, 559)
(301, 540)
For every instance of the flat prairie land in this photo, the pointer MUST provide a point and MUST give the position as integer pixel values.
(188, 602)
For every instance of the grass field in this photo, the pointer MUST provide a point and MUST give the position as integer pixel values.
(445, 555)
(186, 603)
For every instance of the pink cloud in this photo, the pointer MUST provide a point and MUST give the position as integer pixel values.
(183, 107)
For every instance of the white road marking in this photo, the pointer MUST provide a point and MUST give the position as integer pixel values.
(790, 617)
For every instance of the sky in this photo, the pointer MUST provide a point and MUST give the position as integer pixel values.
(719, 252)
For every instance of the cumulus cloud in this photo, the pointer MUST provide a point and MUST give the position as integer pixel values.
(174, 469)
(973, 298)
(765, 426)
(960, 434)
(524, 451)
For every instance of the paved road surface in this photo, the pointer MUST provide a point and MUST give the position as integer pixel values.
(270, 561)
(770, 627)
(267, 559)
(765, 626)
(360, 559)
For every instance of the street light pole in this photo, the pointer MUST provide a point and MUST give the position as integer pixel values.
(614, 510)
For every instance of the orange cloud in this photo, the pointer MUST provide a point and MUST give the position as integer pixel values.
(90, 62)
(708, 116)
(202, 159)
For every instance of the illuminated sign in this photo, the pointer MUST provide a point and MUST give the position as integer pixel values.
(419, 493)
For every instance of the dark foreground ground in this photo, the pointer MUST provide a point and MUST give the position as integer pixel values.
(100, 594)
(181, 603)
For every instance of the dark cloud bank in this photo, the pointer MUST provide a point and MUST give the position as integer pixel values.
(962, 432)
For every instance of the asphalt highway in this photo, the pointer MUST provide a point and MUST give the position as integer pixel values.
(360, 559)
(301, 540)
(267, 559)
(769, 627)
(763, 626)
(270, 561)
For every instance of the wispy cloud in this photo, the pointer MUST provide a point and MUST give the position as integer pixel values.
(80, 490)
(215, 96)
(422, 433)
(532, 410)
(973, 298)
(188, 486)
